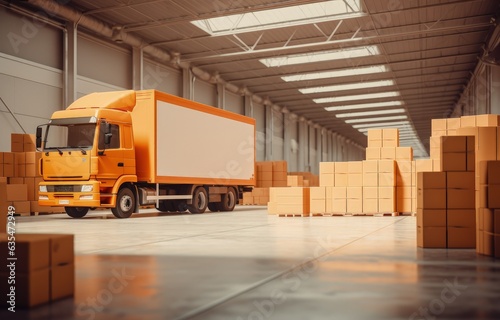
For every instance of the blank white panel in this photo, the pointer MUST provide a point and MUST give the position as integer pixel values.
(198, 144)
(235, 103)
(205, 93)
(161, 78)
(104, 62)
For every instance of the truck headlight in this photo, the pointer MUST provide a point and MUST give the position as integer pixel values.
(87, 188)
(42, 188)
(87, 197)
(43, 198)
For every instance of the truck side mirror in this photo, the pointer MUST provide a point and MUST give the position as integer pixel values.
(39, 137)
(107, 138)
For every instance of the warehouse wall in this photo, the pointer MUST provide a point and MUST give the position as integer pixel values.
(482, 94)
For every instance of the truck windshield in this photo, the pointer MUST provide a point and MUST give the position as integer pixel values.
(64, 136)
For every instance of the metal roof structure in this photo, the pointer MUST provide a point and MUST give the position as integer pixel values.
(333, 62)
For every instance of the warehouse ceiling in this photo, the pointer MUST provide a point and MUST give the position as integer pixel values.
(346, 65)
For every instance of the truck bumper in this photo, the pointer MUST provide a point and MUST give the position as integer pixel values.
(62, 194)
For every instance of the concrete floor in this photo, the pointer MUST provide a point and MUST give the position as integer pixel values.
(249, 265)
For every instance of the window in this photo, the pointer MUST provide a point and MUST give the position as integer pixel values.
(115, 138)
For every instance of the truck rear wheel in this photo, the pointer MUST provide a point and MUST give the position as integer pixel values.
(200, 201)
(125, 203)
(76, 212)
(228, 200)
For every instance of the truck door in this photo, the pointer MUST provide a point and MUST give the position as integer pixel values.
(110, 156)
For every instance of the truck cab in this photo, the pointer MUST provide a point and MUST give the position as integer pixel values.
(88, 154)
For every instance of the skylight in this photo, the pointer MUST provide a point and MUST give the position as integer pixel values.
(363, 120)
(358, 97)
(336, 73)
(281, 17)
(367, 126)
(369, 113)
(347, 53)
(349, 86)
(365, 106)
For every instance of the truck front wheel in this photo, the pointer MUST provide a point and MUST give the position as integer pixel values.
(200, 201)
(76, 212)
(125, 203)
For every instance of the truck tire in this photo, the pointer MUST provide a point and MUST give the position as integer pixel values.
(200, 201)
(76, 212)
(214, 206)
(228, 200)
(125, 203)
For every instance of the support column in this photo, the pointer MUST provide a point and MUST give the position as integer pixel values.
(187, 84)
(70, 64)
(248, 106)
(287, 147)
(269, 132)
(137, 68)
(303, 144)
(221, 96)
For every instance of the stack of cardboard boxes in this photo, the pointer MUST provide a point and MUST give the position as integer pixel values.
(19, 169)
(289, 201)
(47, 271)
(308, 179)
(488, 214)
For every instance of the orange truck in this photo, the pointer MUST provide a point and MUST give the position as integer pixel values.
(125, 149)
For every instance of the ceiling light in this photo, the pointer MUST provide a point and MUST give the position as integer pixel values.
(358, 97)
(362, 120)
(336, 73)
(281, 17)
(365, 106)
(369, 113)
(381, 125)
(350, 86)
(348, 53)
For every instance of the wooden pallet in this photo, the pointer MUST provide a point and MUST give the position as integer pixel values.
(408, 214)
(293, 215)
(348, 214)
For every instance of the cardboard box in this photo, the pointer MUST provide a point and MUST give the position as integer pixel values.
(390, 143)
(431, 199)
(404, 179)
(3, 207)
(342, 167)
(463, 218)
(388, 153)
(404, 205)
(404, 166)
(15, 180)
(32, 288)
(370, 166)
(16, 142)
(460, 180)
(438, 125)
(494, 196)
(493, 172)
(404, 192)
(355, 167)
(370, 192)
(355, 180)
(326, 167)
(461, 237)
(375, 134)
(339, 193)
(327, 180)
(452, 123)
(461, 199)
(454, 161)
(9, 169)
(431, 237)
(318, 205)
(370, 179)
(272, 208)
(260, 192)
(467, 121)
(341, 179)
(431, 217)
(279, 183)
(387, 166)
(280, 166)
(280, 176)
(373, 153)
(471, 161)
(317, 193)
(439, 133)
(21, 207)
(17, 192)
(423, 165)
(487, 120)
(404, 153)
(339, 205)
(247, 199)
(387, 205)
(62, 281)
(375, 144)
(498, 143)
(435, 153)
(431, 180)
(453, 144)
(354, 205)
(386, 179)
(370, 205)
(354, 193)
(295, 181)
(390, 134)
(387, 192)
(265, 166)
(32, 250)
(486, 220)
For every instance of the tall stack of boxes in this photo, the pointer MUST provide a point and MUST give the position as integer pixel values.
(289, 201)
(488, 226)
(269, 174)
(431, 209)
(19, 168)
(47, 272)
